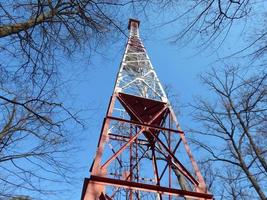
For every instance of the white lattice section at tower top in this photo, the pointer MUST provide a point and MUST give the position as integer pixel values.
(137, 75)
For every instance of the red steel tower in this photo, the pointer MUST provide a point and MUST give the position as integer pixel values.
(141, 144)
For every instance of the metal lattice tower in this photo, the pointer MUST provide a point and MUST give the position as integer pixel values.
(138, 149)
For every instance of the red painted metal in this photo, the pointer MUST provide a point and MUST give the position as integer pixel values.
(148, 188)
(145, 125)
(124, 138)
(116, 154)
(169, 159)
(181, 167)
(141, 109)
(146, 134)
(134, 22)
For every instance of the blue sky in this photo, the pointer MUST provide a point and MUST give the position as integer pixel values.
(90, 82)
(92, 86)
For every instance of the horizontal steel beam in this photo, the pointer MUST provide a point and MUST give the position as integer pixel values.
(124, 138)
(144, 125)
(148, 188)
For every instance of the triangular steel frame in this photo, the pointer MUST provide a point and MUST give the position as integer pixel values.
(147, 120)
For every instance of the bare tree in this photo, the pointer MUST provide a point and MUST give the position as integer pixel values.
(34, 38)
(216, 21)
(234, 131)
(34, 35)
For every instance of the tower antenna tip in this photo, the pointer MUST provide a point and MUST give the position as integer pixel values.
(133, 21)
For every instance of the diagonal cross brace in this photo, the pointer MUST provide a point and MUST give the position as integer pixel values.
(116, 154)
(121, 149)
(177, 163)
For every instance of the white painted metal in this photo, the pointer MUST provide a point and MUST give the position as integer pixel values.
(136, 74)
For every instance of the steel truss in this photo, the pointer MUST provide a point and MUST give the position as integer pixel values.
(143, 137)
